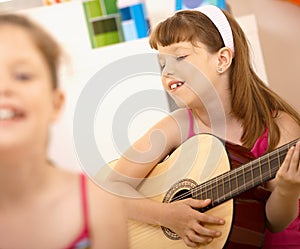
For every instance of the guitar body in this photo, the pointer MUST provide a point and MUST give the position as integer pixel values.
(193, 158)
(198, 160)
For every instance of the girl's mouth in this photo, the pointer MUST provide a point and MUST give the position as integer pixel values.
(7, 114)
(175, 84)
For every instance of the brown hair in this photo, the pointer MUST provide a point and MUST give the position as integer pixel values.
(48, 47)
(252, 102)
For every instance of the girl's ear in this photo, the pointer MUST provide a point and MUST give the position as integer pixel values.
(224, 59)
(58, 104)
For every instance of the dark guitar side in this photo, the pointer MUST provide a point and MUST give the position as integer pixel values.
(249, 219)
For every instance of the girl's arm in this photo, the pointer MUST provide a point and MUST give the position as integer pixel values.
(141, 157)
(107, 220)
(282, 205)
(136, 164)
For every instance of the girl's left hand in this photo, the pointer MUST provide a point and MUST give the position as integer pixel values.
(288, 175)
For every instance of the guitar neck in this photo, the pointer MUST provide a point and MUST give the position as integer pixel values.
(241, 179)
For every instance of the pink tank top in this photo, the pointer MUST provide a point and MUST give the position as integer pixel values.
(82, 241)
(286, 239)
(290, 237)
(191, 122)
(261, 144)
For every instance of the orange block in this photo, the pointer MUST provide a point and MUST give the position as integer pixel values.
(297, 2)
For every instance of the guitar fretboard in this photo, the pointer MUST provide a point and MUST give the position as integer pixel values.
(237, 181)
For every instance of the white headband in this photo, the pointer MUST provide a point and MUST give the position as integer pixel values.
(220, 21)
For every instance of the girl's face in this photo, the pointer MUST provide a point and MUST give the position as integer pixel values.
(28, 103)
(188, 72)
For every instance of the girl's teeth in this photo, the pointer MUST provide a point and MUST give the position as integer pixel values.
(6, 114)
(175, 85)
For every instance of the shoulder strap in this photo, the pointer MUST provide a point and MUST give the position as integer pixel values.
(84, 202)
(191, 121)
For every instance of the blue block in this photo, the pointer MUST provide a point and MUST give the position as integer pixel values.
(138, 15)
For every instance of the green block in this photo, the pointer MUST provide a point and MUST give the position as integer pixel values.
(92, 9)
(111, 6)
(106, 39)
(103, 22)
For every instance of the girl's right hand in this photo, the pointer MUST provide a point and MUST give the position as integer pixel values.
(188, 223)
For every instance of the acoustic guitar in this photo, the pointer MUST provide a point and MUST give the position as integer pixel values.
(204, 167)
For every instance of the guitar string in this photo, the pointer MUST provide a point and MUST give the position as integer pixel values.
(226, 174)
(211, 189)
(234, 192)
(209, 186)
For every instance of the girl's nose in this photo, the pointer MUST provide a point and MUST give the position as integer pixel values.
(169, 67)
(5, 88)
(167, 71)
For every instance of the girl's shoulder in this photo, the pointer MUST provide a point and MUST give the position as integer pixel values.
(180, 117)
(174, 124)
(288, 127)
(179, 114)
(178, 124)
(107, 217)
(101, 200)
(87, 188)
(98, 208)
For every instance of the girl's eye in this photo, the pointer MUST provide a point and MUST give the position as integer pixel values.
(179, 58)
(162, 63)
(162, 66)
(23, 76)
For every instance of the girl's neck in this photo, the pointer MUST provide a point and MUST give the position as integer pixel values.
(217, 118)
(21, 175)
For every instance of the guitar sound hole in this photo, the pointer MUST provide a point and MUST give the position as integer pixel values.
(181, 195)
